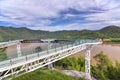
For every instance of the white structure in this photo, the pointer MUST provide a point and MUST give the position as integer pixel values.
(25, 64)
(19, 53)
(87, 61)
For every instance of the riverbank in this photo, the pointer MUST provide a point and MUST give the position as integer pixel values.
(111, 41)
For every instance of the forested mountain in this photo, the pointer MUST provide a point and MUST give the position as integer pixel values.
(111, 31)
(10, 33)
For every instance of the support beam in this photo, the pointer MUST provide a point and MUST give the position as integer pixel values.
(19, 50)
(87, 62)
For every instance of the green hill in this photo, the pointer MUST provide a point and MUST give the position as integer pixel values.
(10, 33)
(111, 31)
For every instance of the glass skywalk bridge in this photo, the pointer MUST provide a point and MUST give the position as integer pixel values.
(19, 61)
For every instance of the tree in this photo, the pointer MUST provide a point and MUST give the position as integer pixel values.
(102, 61)
(38, 49)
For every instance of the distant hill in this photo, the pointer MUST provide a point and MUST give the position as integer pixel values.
(10, 33)
(111, 31)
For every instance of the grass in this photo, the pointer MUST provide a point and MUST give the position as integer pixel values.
(45, 74)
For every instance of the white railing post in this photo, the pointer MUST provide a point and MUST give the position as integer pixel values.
(50, 66)
(19, 49)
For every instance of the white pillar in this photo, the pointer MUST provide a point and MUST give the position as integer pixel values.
(87, 64)
(19, 50)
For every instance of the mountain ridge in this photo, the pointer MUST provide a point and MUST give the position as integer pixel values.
(10, 33)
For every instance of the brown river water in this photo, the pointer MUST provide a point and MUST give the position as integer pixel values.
(26, 48)
(112, 51)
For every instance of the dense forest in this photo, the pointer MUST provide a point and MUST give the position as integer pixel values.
(10, 33)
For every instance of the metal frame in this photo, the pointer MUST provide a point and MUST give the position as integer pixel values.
(41, 61)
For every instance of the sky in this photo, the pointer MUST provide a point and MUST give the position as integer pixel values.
(54, 15)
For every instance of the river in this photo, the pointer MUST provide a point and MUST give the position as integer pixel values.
(113, 51)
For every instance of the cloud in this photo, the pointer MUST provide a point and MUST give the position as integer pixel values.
(60, 14)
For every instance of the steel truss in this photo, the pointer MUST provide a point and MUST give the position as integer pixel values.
(41, 61)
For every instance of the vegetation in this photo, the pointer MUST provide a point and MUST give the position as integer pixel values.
(113, 41)
(10, 33)
(3, 55)
(38, 49)
(111, 31)
(104, 70)
(71, 64)
(44, 74)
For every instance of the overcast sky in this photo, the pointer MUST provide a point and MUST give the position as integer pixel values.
(56, 15)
